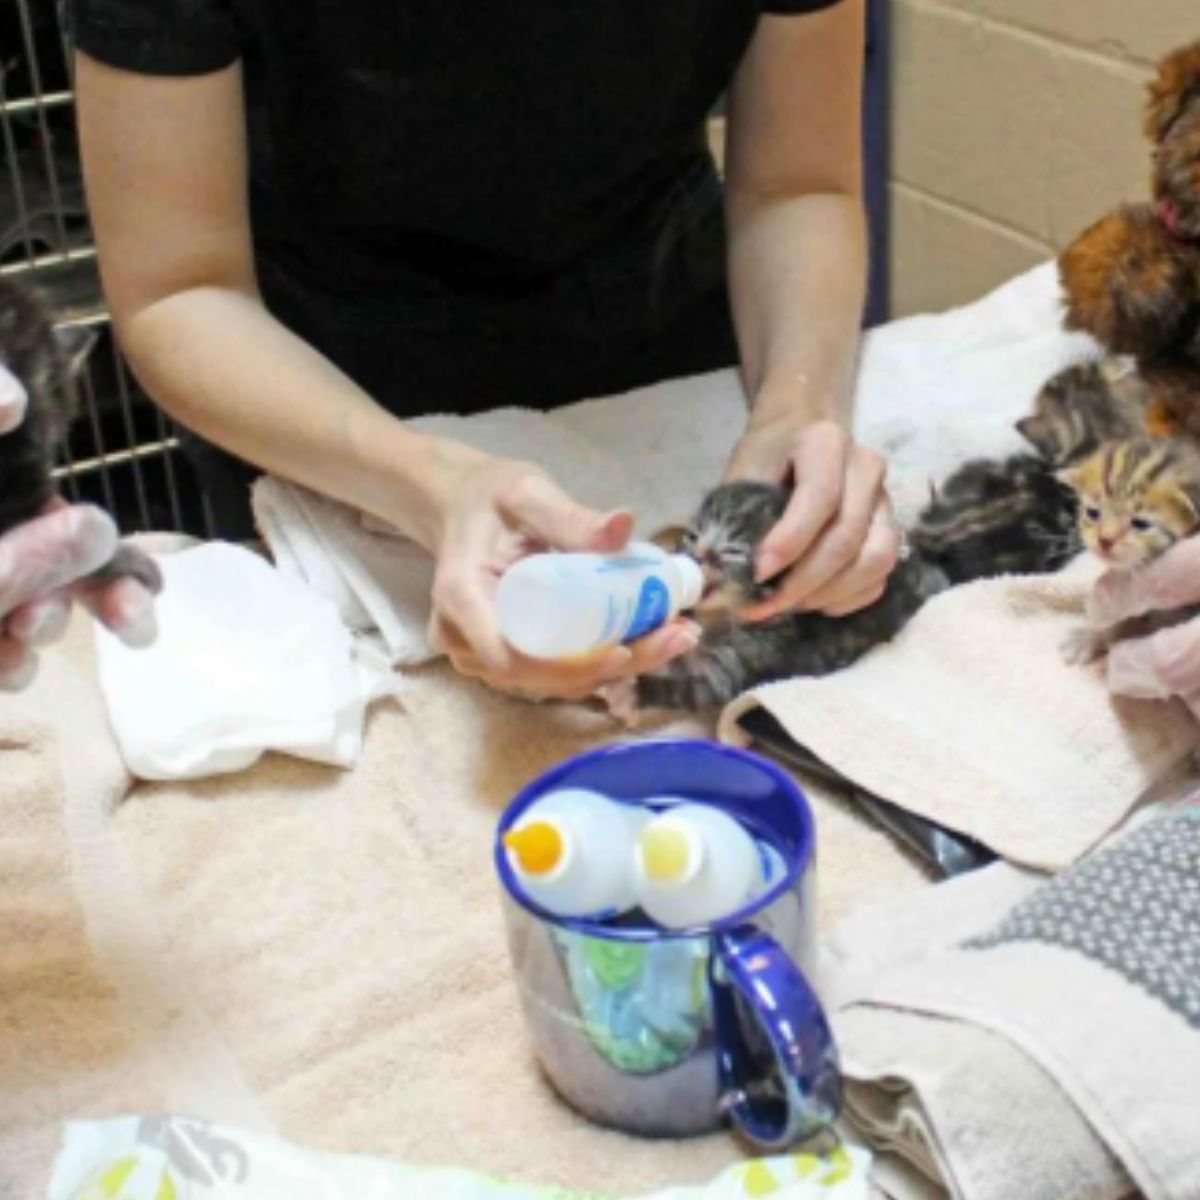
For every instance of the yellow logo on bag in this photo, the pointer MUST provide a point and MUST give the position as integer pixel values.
(111, 1183)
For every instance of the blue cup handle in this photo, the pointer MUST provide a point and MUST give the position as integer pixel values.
(754, 983)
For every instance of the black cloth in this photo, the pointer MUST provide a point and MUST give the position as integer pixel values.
(465, 203)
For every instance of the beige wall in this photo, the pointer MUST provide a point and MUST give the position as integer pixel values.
(1015, 123)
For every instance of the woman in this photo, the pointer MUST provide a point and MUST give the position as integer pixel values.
(314, 218)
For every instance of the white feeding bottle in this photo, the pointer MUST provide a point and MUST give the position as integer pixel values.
(695, 864)
(553, 606)
(573, 853)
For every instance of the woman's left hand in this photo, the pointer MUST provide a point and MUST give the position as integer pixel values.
(837, 540)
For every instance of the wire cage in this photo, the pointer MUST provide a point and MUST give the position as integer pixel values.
(122, 452)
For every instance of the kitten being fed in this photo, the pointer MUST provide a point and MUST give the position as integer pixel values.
(45, 362)
(971, 534)
(1137, 498)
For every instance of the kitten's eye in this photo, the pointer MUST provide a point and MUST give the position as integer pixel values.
(1091, 512)
(1142, 524)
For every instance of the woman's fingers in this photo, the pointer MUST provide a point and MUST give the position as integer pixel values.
(1164, 664)
(50, 552)
(819, 467)
(537, 505)
(18, 664)
(41, 622)
(864, 580)
(1172, 581)
(572, 679)
(854, 553)
(124, 607)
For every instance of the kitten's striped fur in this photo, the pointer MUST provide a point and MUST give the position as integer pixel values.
(1138, 497)
(727, 531)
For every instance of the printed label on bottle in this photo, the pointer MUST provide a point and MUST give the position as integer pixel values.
(653, 607)
(627, 562)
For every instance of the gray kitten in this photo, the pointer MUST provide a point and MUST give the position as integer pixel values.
(978, 527)
(46, 361)
(732, 657)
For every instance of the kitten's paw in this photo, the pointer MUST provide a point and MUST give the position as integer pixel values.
(1083, 646)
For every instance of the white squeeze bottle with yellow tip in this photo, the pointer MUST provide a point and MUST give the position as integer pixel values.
(573, 853)
(695, 864)
(558, 605)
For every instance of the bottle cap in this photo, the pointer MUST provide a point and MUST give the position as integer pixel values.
(669, 853)
(537, 847)
(691, 580)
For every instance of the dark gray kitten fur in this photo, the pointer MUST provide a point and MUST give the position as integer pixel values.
(966, 533)
(999, 517)
(46, 362)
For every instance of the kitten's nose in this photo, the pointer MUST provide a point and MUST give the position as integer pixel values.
(1105, 544)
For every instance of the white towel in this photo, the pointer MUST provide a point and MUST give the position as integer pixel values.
(1013, 1037)
(246, 661)
(932, 392)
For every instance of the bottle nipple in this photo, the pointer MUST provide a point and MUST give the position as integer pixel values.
(538, 847)
(669, 856)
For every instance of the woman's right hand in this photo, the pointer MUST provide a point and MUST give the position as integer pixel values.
(491, 513)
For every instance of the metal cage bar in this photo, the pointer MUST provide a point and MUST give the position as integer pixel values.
(122, 451)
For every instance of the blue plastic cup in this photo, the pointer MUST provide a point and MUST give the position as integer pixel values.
(671, 1033)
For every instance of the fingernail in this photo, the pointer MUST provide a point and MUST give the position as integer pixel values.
(140, 631)
(768, 564)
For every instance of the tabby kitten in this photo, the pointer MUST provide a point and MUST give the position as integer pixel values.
(1007, 517)
(46, 362)
(727, 531)
(1137, 498)
(1083, 407)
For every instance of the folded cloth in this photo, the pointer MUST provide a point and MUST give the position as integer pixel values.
(246, 661)
(972, 720)
(1053, 1049)
(150, 1158)
(932, 392)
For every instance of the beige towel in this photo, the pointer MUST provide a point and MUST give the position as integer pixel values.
(971, 719)
(1016, 1037)
(319, 953)
(89, 1019)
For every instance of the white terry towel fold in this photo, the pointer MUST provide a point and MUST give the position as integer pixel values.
(246, 661)
(1031, 1039)
(932, 392)
(972, 720)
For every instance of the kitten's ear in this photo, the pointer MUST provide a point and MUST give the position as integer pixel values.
(1071, 477)
(75, 344)
(670, 537)
(1038, 431)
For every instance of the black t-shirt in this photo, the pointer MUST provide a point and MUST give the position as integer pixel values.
(479, 143)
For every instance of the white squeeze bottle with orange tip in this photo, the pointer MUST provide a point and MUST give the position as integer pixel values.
(559, 605)
(573, 853)
(695, 864)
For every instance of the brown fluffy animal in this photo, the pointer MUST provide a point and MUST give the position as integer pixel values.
(1132, 280)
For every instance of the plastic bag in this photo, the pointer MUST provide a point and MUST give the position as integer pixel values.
(177, 1158)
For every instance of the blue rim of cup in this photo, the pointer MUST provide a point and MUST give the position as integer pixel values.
(547, 780)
